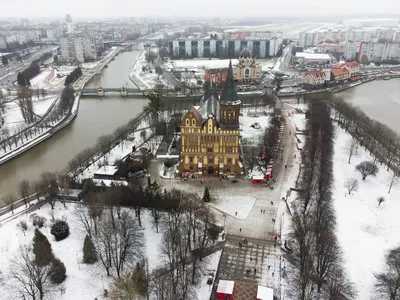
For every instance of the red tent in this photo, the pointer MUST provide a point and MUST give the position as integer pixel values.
(257, 179)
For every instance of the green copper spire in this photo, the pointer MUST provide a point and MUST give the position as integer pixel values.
(229, 93)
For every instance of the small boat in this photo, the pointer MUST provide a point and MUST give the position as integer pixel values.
(386, 78)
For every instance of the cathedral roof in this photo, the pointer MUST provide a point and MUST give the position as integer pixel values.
(245, 53)
(229, 94)
(209, 104)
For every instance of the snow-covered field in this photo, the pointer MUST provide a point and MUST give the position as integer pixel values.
(366, 230)
(249, 118)
(84, 282)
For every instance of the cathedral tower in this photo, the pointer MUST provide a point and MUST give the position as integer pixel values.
(229, 103)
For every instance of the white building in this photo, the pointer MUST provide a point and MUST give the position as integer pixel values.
(379, 52)
(350, 50)
(72, 49)
(313, 58)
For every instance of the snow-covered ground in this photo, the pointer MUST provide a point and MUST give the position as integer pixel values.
(251, 116)
(266, 64)
(236, 206)
(142, 77)
(13, 119)
(84, 282)
(366, 230)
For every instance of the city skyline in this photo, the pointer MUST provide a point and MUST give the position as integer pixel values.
(180, 8)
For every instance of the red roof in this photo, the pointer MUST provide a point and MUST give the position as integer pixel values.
(315, 73)
(339, 72)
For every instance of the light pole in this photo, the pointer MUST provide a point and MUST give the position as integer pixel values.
(224, 215)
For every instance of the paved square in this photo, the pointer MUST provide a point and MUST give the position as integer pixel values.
(257, 262)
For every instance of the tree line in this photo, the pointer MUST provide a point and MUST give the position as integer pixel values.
(313, 244)
(381, 141)
(73, 76)
(24, 77)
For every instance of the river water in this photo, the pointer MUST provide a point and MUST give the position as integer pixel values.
(96, 117)
(379, 99)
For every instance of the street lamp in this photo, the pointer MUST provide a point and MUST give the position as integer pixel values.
(224, 220)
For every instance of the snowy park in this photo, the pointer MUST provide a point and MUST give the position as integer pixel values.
(366, 229)
(83, 281)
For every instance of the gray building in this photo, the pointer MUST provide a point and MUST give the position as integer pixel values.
(192, 48)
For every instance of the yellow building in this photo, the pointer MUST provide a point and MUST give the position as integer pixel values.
(210, 134)
(247, 71)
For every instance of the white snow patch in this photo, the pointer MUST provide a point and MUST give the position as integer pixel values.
(236, 206)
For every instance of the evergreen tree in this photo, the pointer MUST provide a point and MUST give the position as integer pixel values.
(148, 182)
(89, 252)
(206, 195)
(42, 249)
(4, 60)
(57, 272)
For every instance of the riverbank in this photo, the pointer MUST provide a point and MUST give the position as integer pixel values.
(80, 83)
(44, 135)
(337, 89)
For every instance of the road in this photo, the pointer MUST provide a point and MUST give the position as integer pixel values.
(9, 76)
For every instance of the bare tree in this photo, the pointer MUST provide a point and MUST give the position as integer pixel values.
(388, 282)
(9, 199)
(50, 187)
(393, 181)
(351, 185)
(380, 200)
(24, 190)
(82, 213)
(29, 279)
(338, 286)
(157, 216)
(367, 168)
(351, 149)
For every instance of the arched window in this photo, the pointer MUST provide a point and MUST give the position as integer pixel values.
(187, 122)
(247, 73)
(193, 122)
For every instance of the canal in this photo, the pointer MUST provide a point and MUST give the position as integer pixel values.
(96, 117)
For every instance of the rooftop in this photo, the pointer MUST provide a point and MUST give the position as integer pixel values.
(107, 170)
(306, 55)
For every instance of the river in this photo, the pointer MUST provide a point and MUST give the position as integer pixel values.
(96, 117)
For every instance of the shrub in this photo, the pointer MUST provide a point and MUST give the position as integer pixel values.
(89, 251)
(57, 272)
(37, 221)
(42, 249)
(60, 230)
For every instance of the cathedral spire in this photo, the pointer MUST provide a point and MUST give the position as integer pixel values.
(229, 93)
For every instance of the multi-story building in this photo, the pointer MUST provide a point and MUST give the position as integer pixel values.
(210, 134)
(72, 49)
(313, 80)
(378, 52)
(330, 47)
(350, 50)
(216, 76)
(223, 48)
(3, 43)
(352, 67)
(339, 75)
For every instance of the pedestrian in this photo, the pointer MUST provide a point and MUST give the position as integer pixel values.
(274, 245)
(251, 259)
(261, 211)
(240, 229)
(255, 270)
(272, 274)
(272, 203)
(273, 220)
(269, 267)
(235, 213)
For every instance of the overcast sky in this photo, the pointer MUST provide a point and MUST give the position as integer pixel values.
(97, 9)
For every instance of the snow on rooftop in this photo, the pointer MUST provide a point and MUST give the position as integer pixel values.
(313, 55)
(264, 293)
(106, 170)
(225, 287)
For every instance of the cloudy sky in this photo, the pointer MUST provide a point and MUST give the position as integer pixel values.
(97, 9)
